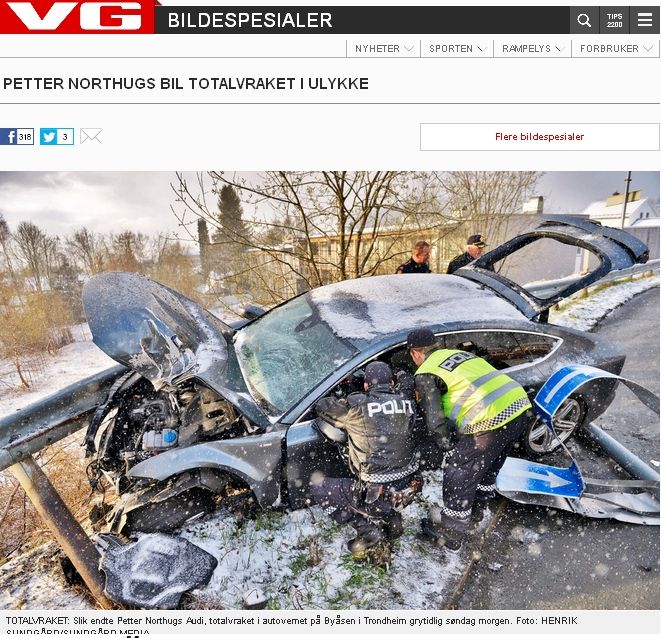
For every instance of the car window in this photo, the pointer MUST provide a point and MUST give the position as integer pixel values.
(502, 349)
(287, 353)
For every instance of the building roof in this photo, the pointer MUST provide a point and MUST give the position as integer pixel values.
(651, 222)
(638, 208)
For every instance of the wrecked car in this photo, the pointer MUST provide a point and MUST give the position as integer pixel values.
(203, 411)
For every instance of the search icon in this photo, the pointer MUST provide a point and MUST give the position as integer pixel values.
(584, 20)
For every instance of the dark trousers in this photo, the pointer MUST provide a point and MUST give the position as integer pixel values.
(351, 499)
(472, 466)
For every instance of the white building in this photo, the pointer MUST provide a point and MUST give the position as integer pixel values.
(639, 212)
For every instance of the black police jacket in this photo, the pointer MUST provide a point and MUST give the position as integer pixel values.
(413, 267)
(379, 426)
(459, 262)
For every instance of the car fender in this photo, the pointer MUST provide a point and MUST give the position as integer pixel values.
(256, 460)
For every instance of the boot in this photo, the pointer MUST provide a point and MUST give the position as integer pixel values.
(341, 516)
(368, 536)
(393, 526)
(482, 506)
(441, 536)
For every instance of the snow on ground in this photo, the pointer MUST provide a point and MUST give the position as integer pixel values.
(76, 361)
(585, 314)
(298, 559)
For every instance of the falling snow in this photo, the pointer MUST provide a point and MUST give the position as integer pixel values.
(298, 559)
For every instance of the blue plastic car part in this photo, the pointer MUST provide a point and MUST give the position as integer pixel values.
(565, 488)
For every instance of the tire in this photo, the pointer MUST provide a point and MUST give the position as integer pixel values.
(538, 439)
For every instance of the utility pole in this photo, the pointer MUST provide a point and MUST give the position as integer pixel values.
(626, 198)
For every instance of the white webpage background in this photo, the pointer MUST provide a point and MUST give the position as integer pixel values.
(376, 128)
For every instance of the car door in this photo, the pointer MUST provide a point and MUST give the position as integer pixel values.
(611, 249)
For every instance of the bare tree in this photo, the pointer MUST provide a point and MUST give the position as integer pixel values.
(88, 248)
(332, 225)
(485, 202)
(37, 250)
(52, 257)
(172, 265)
(127, 251)
(5, 238)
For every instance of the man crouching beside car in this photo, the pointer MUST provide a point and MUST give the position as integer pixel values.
(476, 414)
(379, 424)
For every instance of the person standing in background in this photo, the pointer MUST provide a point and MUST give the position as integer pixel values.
(418, 261)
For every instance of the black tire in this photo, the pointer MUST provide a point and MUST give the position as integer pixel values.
(538, 439)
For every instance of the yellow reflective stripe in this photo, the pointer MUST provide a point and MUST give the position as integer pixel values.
(489, 399)
(492, 384)
(472, 387)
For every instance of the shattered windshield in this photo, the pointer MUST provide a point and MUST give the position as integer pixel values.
(288, 352)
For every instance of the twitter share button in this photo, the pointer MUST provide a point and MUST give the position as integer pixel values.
(56, 136)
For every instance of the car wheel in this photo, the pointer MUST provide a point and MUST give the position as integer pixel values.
(539, 440)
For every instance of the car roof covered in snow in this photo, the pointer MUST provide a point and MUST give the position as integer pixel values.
(372, 307)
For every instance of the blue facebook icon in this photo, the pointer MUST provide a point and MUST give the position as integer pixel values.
(8, 136)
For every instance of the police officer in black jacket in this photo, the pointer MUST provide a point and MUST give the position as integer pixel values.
(379, 424)
(418, 261)
(474, 248)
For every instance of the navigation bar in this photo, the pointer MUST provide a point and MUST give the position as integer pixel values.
(406, 19)
(533, 47)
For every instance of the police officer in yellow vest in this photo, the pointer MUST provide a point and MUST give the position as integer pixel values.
(475, 414)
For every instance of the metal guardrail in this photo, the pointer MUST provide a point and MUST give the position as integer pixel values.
(547, 289)
(45, 422)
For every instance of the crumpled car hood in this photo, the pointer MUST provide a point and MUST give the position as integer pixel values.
(154, 330)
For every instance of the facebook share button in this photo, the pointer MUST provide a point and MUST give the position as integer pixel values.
(16, 136)
(8, 136)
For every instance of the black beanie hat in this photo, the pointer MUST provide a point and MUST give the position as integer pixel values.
(378, 373)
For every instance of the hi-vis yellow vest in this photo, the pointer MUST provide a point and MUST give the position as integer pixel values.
(479, 397)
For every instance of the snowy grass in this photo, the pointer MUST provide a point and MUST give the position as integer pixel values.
(76, 361)
(586, 313)
(298, 559)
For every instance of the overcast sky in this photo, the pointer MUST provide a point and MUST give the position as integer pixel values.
(63, 202)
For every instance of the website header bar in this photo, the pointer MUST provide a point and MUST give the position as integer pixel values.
(403, 20)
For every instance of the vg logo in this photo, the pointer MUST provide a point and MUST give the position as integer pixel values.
(46, 16)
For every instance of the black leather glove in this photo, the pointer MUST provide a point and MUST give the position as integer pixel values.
(445, 438)
(405, 383)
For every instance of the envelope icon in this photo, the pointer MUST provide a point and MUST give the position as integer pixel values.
(90, 135)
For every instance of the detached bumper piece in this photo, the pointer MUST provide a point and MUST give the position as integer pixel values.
(631, 501)
(153, 572)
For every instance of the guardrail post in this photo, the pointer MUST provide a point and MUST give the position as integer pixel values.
(61, 522)
(620, 454)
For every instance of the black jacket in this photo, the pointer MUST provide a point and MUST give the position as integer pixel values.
(460, 261)
(379, 425)
(412, 267)
(429, 389)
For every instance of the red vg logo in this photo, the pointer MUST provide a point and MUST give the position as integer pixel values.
(46, 16)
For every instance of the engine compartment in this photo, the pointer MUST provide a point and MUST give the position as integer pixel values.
(138, 422)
